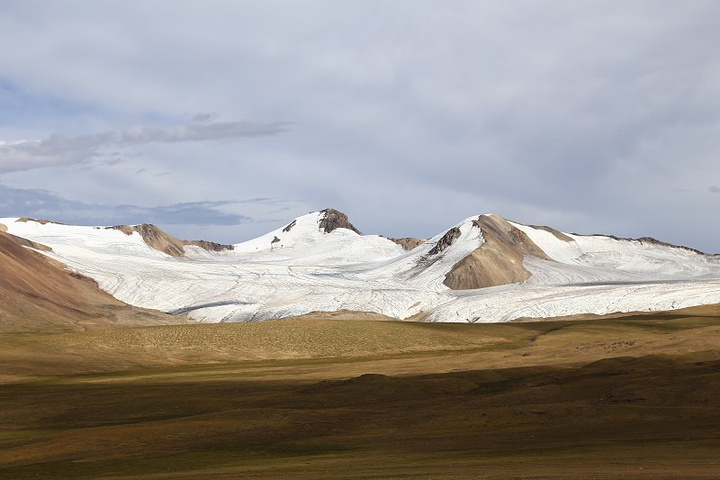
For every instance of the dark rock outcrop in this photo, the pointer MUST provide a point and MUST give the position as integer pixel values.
(289, 226)
(446, 240)
(653, 241)
(333, 219)
(209, 246)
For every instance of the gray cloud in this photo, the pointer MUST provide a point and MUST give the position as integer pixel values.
(47, 205)
(590, 116)
(202, 132)
(714, 189)
(55, 150)
(204, 117)
(59, 149)
(228, 221)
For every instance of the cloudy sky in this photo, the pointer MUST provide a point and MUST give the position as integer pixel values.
(225, 119)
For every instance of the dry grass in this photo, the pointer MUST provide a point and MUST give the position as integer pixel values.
(630, 397)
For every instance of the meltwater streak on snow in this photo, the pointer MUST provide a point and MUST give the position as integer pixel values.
(299, 269)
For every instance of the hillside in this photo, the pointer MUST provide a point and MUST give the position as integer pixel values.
(618, 398)
(483, 269)
(38, 293)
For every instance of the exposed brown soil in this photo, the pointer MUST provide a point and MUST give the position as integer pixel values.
(607, 399)
(161, 241)
(341, 315)
(39, 293)
(24, 242)
(558, 234)
(408, 243)
(498, 261)
(40, 221)
(166, 243)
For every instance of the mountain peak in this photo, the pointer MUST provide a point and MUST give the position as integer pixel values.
(332, 219)
(319, 262)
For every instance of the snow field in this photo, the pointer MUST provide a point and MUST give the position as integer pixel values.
(301, 269)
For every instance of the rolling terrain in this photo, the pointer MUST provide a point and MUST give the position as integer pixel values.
(38, 293)
(611, 398)
(92, 388)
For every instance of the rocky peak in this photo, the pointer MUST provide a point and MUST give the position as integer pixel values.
(333, 219)
(446, 240)
(499, 261)
(166, 243)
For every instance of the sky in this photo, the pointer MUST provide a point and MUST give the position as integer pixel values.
(223, 120)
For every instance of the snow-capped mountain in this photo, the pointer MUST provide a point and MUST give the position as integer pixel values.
(38, 293)
(484, 269)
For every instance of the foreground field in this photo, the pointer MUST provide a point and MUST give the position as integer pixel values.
(628, 397)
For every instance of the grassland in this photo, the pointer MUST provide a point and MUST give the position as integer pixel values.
(628, 397)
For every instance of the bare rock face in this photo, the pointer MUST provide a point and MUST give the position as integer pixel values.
(209, 246)
(289, 226)
(40, 221)
(407, 243)
(160, 240)
(333, 219)
(446, 240)
(166, 243)
(499, 261)
(126, 229)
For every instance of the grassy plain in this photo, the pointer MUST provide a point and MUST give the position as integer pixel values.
(609, 398)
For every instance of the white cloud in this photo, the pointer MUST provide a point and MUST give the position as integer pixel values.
(595, 115)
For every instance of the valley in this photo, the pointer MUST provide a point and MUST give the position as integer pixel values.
(634, 396)
(493, 350)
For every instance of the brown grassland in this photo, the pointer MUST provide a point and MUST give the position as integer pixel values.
(634, 396)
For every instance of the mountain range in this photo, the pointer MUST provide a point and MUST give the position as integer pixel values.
(483, 269)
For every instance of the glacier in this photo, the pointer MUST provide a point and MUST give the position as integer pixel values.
(301, 268)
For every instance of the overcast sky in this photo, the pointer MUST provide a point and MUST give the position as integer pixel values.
(222, 120)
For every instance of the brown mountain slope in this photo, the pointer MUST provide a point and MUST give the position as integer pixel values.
(166, 243)
(39, 293)
(498, 261)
